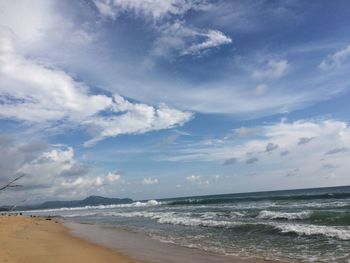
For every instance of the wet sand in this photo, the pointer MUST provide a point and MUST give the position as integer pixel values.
(139, 246)
(36, 240)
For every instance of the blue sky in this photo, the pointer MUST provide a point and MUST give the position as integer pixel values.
(152, 99)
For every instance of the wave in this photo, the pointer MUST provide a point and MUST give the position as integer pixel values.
(187, 219)
(88, 207)
(330, 217)
(232, 199)
(299, 229)
(284, 215)
(311, 230)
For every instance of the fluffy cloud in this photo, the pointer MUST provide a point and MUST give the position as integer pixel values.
(42, 94)
(150, 180)
(336, 59)
(45, 167)
(113, 176)
(15, 155)
(274, 69)
(91, 182)
(137, 118)
(154, 9)
(50, 170)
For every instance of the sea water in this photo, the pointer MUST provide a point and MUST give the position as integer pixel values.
(309, 225)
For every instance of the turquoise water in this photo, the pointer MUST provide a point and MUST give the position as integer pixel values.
(311, 225)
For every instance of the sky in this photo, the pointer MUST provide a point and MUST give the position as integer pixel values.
(165, 98)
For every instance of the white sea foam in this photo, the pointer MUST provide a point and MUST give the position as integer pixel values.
(188, 221)
(310, 230)
(283, 215)
(173, 218)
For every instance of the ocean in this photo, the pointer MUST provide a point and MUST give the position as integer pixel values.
(309, 225)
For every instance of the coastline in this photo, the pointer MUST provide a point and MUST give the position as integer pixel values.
(141, 247)
(36, 239)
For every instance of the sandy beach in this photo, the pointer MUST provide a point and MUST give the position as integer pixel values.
(36, 240)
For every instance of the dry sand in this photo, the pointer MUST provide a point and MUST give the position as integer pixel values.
(36, 240)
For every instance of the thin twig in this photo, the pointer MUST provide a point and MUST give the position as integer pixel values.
(10, 184)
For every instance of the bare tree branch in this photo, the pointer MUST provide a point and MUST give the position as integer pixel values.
(11, 184)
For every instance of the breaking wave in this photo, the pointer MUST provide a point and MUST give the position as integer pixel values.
(88, 207)
(311, 230)
(283, 215)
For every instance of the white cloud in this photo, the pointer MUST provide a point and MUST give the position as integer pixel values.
(113, 176)
(154, 9)
(86, 183)
(273, 69)
(138, 118)
(198, 180)
(193, 178)
(34, 19)
(327, 134)
(42, 94)
(81, 44)
(310, 160)
(175, 36)
(180, 39)
(150, 180)
(50, 164)
(336, 59)
(213, 39)
(50, 171)
(41, 25)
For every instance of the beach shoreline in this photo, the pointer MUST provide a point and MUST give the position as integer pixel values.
(38, 239)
